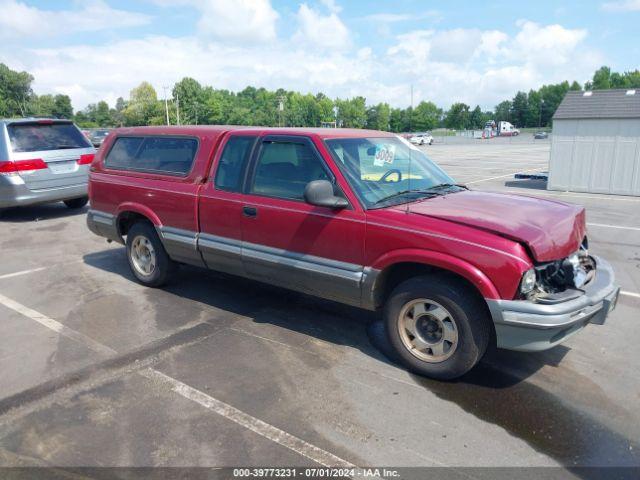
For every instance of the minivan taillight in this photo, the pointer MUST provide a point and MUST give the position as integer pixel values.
(13, 168)
(86, 159)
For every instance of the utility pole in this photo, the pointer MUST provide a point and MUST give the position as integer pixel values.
(281, 99)
(166, 103)
(177, 109)
(411, 111)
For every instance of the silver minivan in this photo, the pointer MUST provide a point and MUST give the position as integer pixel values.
(42, 161)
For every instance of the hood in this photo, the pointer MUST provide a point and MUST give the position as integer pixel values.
(552, 230)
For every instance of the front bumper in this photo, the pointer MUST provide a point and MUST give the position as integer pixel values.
(14, 192)
(528, 326)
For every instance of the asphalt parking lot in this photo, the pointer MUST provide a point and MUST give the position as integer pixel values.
(218, 371)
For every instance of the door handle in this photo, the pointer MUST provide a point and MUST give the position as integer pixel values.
(249, 211)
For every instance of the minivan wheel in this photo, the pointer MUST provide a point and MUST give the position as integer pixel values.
(75, 203)
(147, 257)
(437, 326)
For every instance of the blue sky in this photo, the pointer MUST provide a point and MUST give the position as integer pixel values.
(476, 52)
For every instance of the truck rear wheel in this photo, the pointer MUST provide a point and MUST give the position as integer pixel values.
(147, 257)
(437, 326)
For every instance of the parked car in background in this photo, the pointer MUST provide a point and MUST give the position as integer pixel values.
(541, 135)
(359, 217)
(421, 139)
(43, 160)
(98, 136)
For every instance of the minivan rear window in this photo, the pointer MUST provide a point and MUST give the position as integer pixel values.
(168, 155)
(36, 137)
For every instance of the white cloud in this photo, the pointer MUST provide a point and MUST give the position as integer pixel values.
(445, 66)
(21, 20)
(332, 6)
(232, 21)
(402, 17)
(622, 6)
(488, 66)
(321, 31)
(549, 45)
(91, 73)
(245, 20)
(457, 45)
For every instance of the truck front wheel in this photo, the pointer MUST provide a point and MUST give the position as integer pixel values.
(437, 326)
(147, 257)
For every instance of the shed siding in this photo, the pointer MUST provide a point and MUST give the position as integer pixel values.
(596, 155)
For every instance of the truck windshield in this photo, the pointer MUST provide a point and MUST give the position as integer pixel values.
(34, 137)
(388, 170)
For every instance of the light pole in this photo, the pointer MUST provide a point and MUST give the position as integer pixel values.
(166, 104)
(177, 109)
(540, 119)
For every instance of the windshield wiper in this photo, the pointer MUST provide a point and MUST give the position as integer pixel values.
(442, 186)
(65, 147)
(405, 192)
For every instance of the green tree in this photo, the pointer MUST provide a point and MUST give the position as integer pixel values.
(379, 116)
(575, 86)
(503, 111)
(426, 116)
(15, 92)
(457, 117)
(352, 113)
(476, 119)
(188, 92)
(62, 107)
(519, 107)
(143, 105)
(41, 106)
(601, 79)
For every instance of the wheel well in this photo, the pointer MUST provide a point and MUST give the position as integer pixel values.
(395, 274)
(127, 219)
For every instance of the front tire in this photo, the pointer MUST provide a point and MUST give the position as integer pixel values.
(147, 257)
(76, 203)
(437, 326)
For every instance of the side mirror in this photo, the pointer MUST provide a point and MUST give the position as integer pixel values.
(320, 193)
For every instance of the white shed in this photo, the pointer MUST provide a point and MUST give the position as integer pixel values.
(595, 145)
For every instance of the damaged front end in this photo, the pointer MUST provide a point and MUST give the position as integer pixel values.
(557, 299)
(559, 280)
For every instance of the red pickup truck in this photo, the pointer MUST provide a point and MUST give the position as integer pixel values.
(359, 217)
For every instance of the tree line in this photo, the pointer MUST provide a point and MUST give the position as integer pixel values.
(189, 102)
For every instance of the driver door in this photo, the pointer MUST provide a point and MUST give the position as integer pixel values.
(290, 243)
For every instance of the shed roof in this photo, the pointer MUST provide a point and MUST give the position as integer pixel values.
(617, 103)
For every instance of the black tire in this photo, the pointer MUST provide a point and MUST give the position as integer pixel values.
(468, 314)
(76, 203)
(163, 268)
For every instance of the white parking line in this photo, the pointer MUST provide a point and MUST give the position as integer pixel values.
(223, 409)
(56, 326)
(619, 227)
(630, 294)
(23, 272)
(251, 423)
(502, 176)
(616, 198)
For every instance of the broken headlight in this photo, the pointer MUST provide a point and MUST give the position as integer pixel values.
(573, 272)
